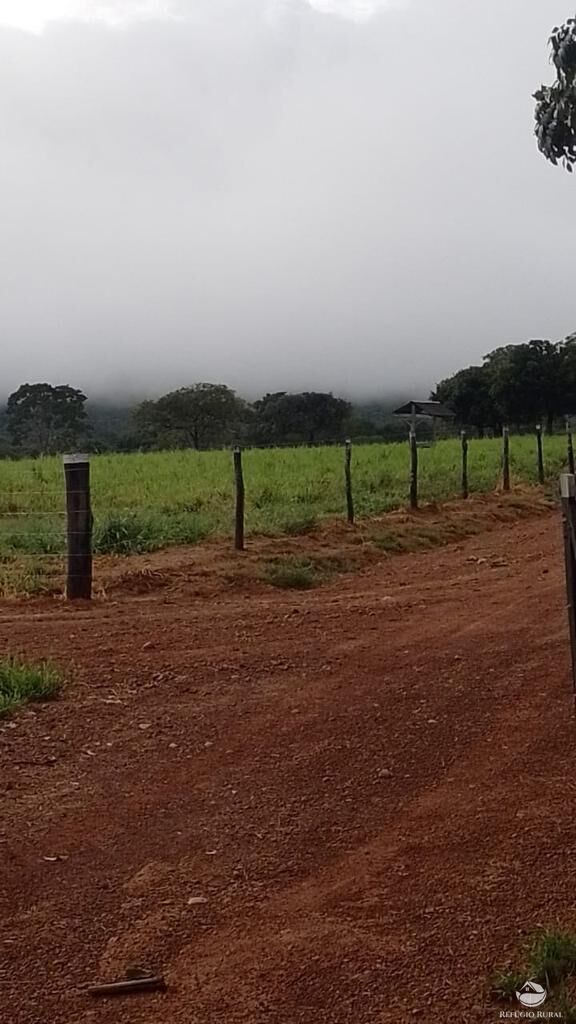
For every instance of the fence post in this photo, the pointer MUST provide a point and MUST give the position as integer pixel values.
(506, 458)
(540, 454)
(239, 478)
(348, 478)
(568, 494)
(464, 464)
(570, 444)
(79, 527)
(413, 470)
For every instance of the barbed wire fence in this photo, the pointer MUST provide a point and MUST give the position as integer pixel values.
(49, 548)
(33, 541)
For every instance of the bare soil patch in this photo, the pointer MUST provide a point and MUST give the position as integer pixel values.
(369, 784)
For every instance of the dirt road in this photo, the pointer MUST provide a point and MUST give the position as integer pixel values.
(371, 786)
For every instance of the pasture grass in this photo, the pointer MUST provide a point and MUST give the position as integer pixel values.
(146, 501)
(21, 682)
(135, 534)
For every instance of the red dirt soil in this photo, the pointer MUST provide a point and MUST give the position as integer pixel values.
(371, 785)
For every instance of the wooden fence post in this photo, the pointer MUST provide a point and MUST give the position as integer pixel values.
(239, 478)
(79, 527)
(540, 454)
(464, 464)
(570, 444)
(348, 478)
(413, 470)
(568, 493)
(506, 458)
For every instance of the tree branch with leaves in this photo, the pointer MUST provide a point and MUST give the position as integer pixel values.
(556, 103)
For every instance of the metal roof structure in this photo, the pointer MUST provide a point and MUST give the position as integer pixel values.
(436, 410)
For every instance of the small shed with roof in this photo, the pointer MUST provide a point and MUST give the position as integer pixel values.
(429, 412)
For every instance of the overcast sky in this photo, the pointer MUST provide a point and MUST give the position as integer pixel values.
(276, 194)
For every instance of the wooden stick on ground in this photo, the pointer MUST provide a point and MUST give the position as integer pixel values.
(128, 986)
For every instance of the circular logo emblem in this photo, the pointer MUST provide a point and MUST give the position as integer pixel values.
(532, 994)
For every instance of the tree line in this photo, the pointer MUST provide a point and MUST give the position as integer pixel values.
(40, 419)
(517, 385)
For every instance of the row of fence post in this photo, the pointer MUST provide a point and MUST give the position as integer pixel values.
(506, 476)
(79, 513)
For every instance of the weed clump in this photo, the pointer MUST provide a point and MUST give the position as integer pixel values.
(550, 960)
(291, 573)
(301, 573)
(123, 535)
(21, 682)
(135, 535)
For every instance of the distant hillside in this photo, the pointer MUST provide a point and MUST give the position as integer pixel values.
(378, 416)
(111, 423)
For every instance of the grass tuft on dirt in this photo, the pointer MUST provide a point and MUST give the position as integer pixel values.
(299, 526)
(29, 577)
(297, 573)
(549, 959)
(21, 682)
(553, 957)
(292, 573)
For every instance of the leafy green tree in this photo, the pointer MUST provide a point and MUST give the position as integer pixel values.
(195, 416)
(468, 394)
(148, 425)
(526, 382)
(311, 417)
(43, 419)
(556, 103)
(272, 420)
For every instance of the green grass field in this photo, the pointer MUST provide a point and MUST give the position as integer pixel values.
(143, 502)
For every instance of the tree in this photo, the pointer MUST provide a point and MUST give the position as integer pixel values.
(567, 352)
(44, 419)
(526, 382)
(311, 416)
(468, 394)
(194, 416)
(556, 104)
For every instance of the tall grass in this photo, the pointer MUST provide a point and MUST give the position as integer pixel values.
(143, 501)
